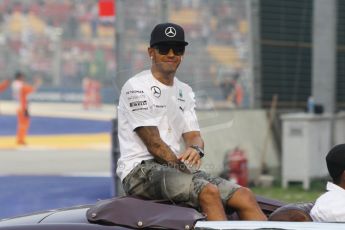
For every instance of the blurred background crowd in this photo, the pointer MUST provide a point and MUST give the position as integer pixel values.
(67, 42)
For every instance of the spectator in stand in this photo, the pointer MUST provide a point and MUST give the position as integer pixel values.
(231, 89)
(238, 90)
(92, 93)
(227, 88)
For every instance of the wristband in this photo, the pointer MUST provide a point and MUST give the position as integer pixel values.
(199, 150)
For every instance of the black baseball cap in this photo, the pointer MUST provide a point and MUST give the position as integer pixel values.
(335, 160)
(167, 33)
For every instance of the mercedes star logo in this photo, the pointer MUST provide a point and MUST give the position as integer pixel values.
(170, 32)
(156, 91)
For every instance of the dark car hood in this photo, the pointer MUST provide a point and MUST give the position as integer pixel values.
(66, 215)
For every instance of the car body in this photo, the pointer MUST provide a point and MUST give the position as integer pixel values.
(73, 218)
(253, 225)
(78, 218)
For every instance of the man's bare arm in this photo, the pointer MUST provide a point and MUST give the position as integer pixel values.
(190, 156)
(193, 138)
(157, 147)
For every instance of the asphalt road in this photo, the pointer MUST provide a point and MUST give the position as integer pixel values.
(33, 180)
(67, 160)
(28, 161)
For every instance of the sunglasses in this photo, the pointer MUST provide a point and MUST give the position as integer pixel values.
(178, 50)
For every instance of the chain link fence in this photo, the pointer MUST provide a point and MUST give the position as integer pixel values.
(66, 42)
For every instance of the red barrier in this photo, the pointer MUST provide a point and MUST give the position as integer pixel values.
(238, 167)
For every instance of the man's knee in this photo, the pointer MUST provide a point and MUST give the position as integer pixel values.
(209, 192)
(243, 198)
(244, 202)
(246, 195)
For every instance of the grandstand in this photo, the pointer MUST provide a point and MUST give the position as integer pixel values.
(218, 28)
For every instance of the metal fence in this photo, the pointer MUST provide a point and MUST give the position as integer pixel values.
(65, 42)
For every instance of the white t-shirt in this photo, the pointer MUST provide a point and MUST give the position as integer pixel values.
(330, 206)
(16, 86)
(144, 101)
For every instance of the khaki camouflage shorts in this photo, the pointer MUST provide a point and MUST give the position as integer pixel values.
(154, 181)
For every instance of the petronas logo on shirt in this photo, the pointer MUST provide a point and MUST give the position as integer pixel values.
(180, 96)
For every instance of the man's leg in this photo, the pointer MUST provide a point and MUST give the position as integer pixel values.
(23, 126)
(20, 127)
(244, 202)
(194, 191)
(236, 197)
(211, 203)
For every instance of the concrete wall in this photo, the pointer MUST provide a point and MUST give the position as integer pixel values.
(224, 130)
(339, 128)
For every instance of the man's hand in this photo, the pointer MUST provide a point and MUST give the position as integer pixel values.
(191, 158)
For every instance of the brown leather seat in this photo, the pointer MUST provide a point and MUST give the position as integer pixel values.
(298, 212)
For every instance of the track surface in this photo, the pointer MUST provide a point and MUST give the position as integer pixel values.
(66, 162)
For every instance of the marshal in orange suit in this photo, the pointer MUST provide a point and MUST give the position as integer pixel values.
(4, 85)
(21, 90)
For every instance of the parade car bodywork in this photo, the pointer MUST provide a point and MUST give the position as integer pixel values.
(80, 217)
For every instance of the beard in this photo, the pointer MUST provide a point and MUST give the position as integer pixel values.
(167, 68)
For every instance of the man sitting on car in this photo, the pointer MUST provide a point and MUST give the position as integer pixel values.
(330, 207)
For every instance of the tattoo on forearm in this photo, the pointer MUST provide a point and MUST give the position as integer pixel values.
(155, 145)
(193, 138)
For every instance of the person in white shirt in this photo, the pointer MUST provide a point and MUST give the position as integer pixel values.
(330, 206)
(155, 114)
